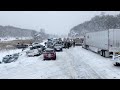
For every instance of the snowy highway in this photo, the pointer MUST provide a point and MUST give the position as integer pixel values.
(73, 63)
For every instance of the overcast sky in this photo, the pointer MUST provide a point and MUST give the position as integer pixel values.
(54, 22)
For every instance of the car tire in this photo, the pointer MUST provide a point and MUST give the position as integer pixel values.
(55, 58)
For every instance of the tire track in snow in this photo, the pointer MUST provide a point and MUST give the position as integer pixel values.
(83, 69)
(102, 67)
(66, 65)
(81, 73)
(63, 64)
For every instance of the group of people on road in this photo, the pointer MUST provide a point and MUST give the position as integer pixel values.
(68, 43)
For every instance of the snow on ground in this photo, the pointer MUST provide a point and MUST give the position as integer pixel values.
(30, 68)
(91, 65)
(73, 63)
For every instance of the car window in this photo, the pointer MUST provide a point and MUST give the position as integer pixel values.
(57, 45)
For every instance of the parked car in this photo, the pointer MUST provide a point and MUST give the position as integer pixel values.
(50, 45)
(42, 47)
(35, 43)
(10, 58)
(34, 51)
(21, 46)
(16, 55)
(58, 47)
(49, 54)
(38, 45)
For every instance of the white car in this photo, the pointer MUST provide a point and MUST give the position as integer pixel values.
(34, 51)
(35, 43)
(58, 47)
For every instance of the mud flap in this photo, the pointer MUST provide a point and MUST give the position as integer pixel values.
(117, 64)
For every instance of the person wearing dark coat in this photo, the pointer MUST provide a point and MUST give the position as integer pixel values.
(73, 43)
(65, 45)
(68, 45)
(45, 43)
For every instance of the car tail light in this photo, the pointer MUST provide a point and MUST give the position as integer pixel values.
(46, 54)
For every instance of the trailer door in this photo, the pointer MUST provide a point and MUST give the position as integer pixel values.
(114, 40)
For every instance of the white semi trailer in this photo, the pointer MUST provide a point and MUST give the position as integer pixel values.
(106, 43)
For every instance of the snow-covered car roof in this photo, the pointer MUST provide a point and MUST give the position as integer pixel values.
(37, 45)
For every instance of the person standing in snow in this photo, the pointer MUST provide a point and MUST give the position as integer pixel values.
(45, 43)
(65, 44)
(73, 43)
(68, 45)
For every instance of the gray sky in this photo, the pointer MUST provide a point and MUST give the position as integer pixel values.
(54, 22)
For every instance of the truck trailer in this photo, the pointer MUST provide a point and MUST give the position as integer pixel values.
(78, 41)
(106, 42)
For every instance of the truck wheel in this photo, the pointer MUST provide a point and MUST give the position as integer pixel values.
(87, 47)
(103, 53)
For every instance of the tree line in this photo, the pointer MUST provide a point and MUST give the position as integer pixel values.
(97, 23)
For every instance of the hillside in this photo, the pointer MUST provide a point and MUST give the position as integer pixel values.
(10, 31)
(97, 23)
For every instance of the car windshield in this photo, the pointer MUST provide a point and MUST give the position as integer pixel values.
(15, 54)
(35, 47)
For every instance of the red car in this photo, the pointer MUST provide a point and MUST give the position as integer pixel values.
(49, 54)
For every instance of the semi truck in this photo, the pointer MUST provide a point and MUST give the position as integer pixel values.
(78, 41)
(106, 42)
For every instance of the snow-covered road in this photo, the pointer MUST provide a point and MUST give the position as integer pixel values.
(73, 63)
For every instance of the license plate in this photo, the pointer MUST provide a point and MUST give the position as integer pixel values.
(49, 55)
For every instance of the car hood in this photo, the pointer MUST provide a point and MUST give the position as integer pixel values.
(32, 51)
